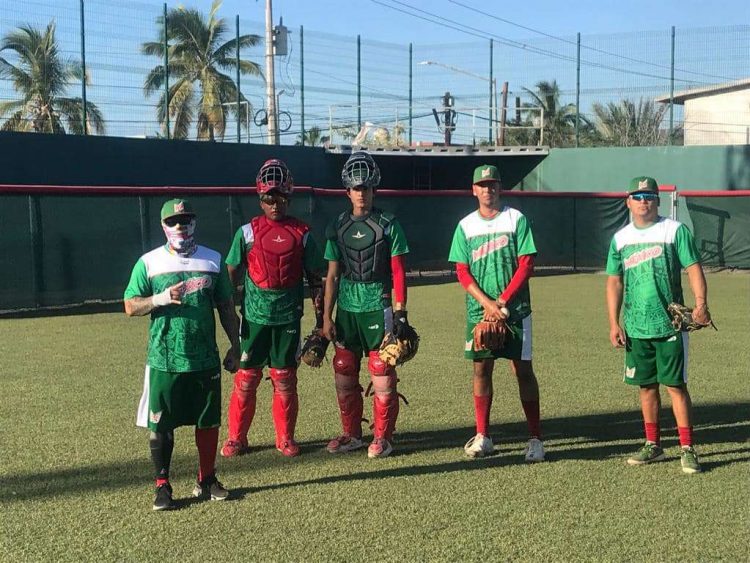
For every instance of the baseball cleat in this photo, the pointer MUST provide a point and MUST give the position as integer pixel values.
(344, 443)
(380, 447)
(288, 448)
(163, 499)
(233, 448)
(479, 446)
(534, 451)
(689, 460)
(649, 453)
(211, 488)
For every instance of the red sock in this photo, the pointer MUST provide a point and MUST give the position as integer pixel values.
(207, 439)
(686, 435)
(531, 410)
(482, 406)
(653, 432)
(160, 482)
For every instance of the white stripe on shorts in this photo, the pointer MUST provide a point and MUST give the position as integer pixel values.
(684, 356)
(141, 418)
(526, 339)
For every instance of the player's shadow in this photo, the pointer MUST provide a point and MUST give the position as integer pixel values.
(585, 437)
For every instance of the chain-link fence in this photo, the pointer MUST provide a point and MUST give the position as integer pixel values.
(586, 90)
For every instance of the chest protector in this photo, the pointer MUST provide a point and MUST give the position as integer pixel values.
(365, 247)
(275, 259)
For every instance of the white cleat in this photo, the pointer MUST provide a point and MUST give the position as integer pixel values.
(344, 443)
(534, 451)
(479, 446)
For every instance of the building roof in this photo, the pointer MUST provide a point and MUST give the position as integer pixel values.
(703, 91)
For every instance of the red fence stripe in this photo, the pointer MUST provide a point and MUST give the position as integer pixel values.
(721, 193)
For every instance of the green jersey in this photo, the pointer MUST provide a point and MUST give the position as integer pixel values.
(650, 261)
(277, 253)
(491, 248)
(182, 338)
(364, 247)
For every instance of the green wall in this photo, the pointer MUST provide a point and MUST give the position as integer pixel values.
(610, 169)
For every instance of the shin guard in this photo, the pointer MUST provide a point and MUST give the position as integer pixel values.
(346, 366)
(242, 402)
(285, 403)
(385, 404)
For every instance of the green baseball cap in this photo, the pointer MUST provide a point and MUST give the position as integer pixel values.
(176, 207)
(643, 184)
(486, 173)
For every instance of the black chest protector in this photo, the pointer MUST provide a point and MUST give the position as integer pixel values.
(365, 247)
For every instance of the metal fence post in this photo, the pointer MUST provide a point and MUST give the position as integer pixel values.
(492, 93)
(578, 89)
(671, 93)
(84, 117)
(302, 83)
(359, 82)
(166, 73)
(37, 263)
(411, 84)
(239, 95)
(143, 218)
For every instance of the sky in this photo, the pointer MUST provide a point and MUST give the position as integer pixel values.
(373, 19)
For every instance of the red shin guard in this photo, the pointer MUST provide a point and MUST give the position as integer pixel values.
(385, 404)
(242, 403)
(346, 366)
(285, 403)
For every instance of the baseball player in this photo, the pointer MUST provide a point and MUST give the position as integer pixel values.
(644, 267)
(365, 250)
(493, 249)
(269, 256)
(179, 284)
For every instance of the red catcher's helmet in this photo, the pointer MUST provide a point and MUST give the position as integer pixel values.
(274, 175)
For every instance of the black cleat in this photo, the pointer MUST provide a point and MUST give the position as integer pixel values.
(163, 500)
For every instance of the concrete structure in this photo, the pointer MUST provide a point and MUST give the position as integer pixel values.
(717, 114)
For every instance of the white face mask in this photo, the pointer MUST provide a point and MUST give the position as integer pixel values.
(180, 237)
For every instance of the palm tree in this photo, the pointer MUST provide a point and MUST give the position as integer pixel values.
(559, 120)
(627, 124)
(198, 88)
(312, 137)
(42, 77)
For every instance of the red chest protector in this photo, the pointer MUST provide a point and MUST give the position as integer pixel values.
(275, 259)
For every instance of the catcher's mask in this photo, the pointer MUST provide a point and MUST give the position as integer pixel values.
(274, 175)
(360, 171)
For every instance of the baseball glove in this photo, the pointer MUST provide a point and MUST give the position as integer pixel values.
(395, 350)
(682, 318)
(490, 335)
(314, 349)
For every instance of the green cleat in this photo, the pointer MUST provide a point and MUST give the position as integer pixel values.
(649, 453)
(689, 460)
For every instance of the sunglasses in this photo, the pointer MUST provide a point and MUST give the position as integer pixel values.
(178, 220)
(644, 197)
(273, 199)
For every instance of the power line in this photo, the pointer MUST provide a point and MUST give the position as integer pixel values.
(533, 30)
(468, 30)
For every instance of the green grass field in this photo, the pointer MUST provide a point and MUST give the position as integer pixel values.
(76, 476)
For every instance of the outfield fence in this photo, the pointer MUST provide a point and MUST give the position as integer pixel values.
(338, 83)
(64, 245)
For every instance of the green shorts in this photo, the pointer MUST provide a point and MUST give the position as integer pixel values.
(656, 360)
(171, 399)
(517, 343)
(362, 332)
(275, 346)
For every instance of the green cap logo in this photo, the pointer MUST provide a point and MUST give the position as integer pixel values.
(176, 207)
(486, 173)
(643, 184)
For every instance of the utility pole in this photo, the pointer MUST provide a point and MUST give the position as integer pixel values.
(273, 130)
(449, 117)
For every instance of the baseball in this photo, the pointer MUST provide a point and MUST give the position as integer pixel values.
(505, 312)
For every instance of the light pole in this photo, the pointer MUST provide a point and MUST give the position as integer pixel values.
(493, 83)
